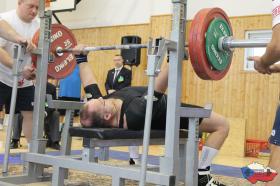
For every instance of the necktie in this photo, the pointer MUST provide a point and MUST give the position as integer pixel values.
(116, 74)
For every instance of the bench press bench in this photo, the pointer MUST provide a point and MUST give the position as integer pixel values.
(115, 137)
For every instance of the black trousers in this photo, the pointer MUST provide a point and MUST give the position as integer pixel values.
(51, 126)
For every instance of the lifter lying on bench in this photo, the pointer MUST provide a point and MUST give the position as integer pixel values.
(126, 109)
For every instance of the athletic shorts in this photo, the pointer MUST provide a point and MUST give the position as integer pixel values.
(275, 133)
(25, 98)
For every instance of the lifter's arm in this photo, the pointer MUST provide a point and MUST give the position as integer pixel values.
(162, 79)
(88, 77)
(86, 74)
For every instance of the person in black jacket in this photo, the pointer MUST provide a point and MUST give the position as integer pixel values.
(118, 77)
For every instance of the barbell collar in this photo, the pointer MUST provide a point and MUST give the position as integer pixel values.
(229, 43)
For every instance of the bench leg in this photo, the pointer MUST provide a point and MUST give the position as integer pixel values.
(192, 153)
(88, 155)
(103, 153)
(182, 161)
(117, 181)
(58, 176)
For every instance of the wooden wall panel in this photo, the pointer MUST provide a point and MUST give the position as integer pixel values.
(249, 96)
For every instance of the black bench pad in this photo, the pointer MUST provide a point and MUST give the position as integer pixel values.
(116, 133)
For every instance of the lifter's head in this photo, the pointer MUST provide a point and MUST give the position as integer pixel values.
(27, 10)
(98, 113)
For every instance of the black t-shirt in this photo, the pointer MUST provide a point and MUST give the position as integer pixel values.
(134, 107)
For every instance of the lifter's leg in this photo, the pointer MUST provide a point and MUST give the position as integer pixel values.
(133, 155)
(218, 128)
(162, 79)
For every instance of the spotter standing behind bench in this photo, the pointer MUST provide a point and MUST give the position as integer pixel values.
(126, 109)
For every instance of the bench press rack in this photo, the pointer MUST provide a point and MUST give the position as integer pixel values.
(170, 170)
(103, 138)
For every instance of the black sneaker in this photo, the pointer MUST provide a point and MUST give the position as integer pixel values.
(14, 144)
(134, 161)
(53, 145)
(131, 161)
(205, 179)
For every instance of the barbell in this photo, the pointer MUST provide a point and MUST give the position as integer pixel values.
(210, 45)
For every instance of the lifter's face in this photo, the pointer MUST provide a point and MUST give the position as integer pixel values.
(104, 109)
(96, 105)
(28, 9)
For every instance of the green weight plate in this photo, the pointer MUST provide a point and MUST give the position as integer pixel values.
(218, 59)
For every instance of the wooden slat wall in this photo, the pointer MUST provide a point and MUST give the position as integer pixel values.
(246, 95)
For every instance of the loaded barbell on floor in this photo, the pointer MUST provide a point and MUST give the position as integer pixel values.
(210, 46)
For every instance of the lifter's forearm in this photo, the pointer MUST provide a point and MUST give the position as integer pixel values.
(162, 79)
(7, 32)
(272, 53)
(86, 74)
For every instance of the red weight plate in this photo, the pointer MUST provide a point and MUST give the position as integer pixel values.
(63, 65)
(197, 43)
(193, 43)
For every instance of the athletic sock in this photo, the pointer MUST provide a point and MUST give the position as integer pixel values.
(207, 156)
(134, 152)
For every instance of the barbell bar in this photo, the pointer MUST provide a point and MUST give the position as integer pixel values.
(225, 43)
(229, 43)
(60, 50)
(210, 46)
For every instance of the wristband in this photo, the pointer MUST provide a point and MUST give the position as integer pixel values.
(81, 58)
